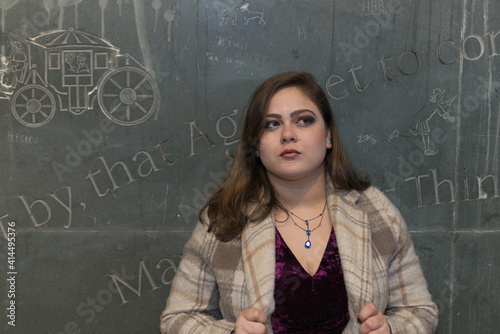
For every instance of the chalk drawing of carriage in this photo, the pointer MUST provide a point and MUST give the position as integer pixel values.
(78, 69)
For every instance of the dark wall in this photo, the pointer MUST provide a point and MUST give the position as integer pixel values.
(119, 118)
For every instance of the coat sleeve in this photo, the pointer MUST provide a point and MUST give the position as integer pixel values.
(193, 303)
(410, 308)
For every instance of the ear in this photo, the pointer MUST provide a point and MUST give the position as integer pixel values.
(329, 142)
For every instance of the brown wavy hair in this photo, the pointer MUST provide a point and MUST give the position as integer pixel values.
(247, 194)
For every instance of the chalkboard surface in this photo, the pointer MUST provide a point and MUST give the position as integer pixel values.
(119, 118)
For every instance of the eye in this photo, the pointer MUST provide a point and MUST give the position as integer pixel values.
(305, 120)
(272, 124)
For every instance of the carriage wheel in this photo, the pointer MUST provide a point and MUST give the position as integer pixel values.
(128, 96)
(33, 105)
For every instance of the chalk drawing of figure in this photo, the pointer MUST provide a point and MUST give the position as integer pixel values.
(420, 125)
(12, 68)
(81, 61)
(8, 79)
(231, 15)
(69, 59)
(17, 57)
(252, 15)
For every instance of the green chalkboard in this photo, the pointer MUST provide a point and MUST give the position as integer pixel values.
(120, 118)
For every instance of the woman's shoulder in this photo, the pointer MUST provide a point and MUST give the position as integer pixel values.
(371, 195)
(377, 207)
(203, 245)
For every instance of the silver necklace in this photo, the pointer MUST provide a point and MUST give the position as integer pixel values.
(308, 230)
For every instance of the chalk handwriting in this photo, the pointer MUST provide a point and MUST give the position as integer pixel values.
(366, 138)
(373, 6)
(153, 207)
(22, 138)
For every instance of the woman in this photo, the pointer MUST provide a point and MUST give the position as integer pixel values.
(294, 241)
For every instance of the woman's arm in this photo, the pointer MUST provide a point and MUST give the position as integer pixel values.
(193, 304)
(410, 308)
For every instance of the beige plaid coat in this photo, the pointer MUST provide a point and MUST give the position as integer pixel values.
(216, 280)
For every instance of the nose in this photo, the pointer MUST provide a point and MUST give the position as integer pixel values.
(288, 134)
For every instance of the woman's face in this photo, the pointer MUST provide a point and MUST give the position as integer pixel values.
(294, 142)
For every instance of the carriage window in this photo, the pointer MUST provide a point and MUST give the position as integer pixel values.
(54, 63)
(101, 60)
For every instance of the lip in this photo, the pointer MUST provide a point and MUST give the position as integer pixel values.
(289, 153)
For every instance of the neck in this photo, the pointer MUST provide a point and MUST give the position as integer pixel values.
(309, 193)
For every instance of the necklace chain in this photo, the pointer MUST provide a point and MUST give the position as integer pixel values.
(307, 229)
(304, 220)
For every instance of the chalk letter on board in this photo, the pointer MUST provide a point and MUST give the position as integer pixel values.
(234, 125)
(164, 154)
(32, 216)
(384, 68)
(172, 267)
(142, 267)
(329, 86)
(148, 158)
(67, 207)
(109, 170)
(356, 82)
(493, 43)
(482, 193)
(466, 187)
(439, 53)
(481, 45)
(91, 177)
(419, 189)
(437, 184)
(192, 125)
(400, 60)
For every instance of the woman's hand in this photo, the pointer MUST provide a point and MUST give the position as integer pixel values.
(251, 321)
(372, 320)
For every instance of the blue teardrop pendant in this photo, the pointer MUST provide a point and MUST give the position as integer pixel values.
(308, 244)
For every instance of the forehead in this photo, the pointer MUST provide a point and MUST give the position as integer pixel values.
(290, 99)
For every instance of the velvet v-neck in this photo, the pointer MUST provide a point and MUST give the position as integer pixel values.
(295, 257)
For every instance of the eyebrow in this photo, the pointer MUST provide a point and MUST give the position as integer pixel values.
(293, 114)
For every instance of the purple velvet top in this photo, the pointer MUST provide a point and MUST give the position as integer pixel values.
(308, 304)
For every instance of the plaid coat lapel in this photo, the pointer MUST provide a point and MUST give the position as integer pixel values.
(353, 236)
(259, 264)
